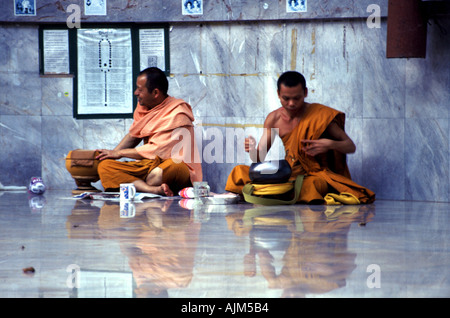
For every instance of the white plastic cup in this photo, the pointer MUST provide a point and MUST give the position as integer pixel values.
(127, 191)
(127, 209)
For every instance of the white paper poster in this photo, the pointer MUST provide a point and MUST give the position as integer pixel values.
(105, 71)
(56, 51)
(152, 48)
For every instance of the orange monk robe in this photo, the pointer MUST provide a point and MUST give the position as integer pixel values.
(168, 134)
(324, 173)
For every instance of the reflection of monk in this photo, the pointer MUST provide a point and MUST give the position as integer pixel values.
(315, 142)
(161, 255)
(316, 259)
(159, 242)
(164, 258)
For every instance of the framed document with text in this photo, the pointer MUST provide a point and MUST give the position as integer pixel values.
(54, 48)
(104, 72)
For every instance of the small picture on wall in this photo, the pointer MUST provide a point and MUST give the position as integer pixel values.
(95, 7)
(190, 7)
(24, 7)
(296, 6)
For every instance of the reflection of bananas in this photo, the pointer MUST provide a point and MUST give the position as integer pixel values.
(271, 220)
(343, 198)
(333, 212)
(273, 216)
(272, 189)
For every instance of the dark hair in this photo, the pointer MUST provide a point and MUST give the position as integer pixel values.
(155, 79)
(291, 79)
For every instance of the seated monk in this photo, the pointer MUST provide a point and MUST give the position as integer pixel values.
(315, 143)
(158, 119)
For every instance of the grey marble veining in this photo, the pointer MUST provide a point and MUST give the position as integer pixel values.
(383, 79)
(384, 157)
(21, 94)
(340, 77)
(57, 96)
(422, 160)
(19, 53)
(21, 137)
(354, 127)
(427, 89)
(171, 11)
(57, 146)
(107, 134)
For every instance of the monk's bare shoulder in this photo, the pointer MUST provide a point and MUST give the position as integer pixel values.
(273, 119)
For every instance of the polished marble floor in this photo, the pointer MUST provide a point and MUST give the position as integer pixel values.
(56, 246)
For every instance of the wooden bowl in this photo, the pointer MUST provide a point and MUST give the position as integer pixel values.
(83, 174)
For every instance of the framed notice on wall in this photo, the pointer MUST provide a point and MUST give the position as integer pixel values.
(104, 62)
(152, 48)
(54, 51)
(104, 72)
(108, 62)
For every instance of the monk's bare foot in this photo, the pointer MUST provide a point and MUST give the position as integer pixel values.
(165, 190)
(162, 189)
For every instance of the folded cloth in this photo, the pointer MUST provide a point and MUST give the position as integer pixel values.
(82, 158)
(343, 198)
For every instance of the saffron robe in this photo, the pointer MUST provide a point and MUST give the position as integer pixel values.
(323, 173)
(169, 142)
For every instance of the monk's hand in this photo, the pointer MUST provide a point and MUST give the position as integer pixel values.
(107, 154)
(250, 144)
(316, 147)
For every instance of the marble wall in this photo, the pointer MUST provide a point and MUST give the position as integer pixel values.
(171, 10)
(397, 109)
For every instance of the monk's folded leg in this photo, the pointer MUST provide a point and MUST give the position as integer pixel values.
(112, 172)
(313, 190)
(175, 175)
(238, 177)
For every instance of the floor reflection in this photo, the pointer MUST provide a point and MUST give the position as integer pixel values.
(180, 249)
(313, 242)
(158, 241)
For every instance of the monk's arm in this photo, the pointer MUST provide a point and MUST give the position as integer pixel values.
(128, 142)
(265, 143)
(125, 148)
(339, 141)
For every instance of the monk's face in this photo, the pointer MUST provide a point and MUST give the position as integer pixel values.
(144, 97)
(292, 98)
